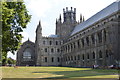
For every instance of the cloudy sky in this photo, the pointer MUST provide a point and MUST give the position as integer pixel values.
(47, 11)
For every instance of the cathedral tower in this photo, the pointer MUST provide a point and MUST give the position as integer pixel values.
(63, 29)
(38, 43)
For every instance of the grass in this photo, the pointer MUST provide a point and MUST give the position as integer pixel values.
(57, 73)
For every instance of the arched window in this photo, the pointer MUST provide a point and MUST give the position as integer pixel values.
(50, 42)
(83, 42)
(100, 54)
(87, 40)
(71, 46)
(56, 42)
(78, 43)
(88, 57)
(93, 55)
(58, 50)
(78, 57)
(93, 39)
(52, 50)
(45, 59)
(71, 57)
(58, 59)
(105, 35)
(27, 55)
(52, 59)
(74, 45)
(68, 47)
(74, 57)
(100, 37)
(68, 58)
(45, 49)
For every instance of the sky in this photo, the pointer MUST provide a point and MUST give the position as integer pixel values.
(47, 11)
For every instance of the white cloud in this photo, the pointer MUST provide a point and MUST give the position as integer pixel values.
(25, 36)
(38, 7)
(11, 55)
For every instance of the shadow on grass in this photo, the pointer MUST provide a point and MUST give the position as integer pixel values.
(70, 75)
(75, 74)
(59, 71)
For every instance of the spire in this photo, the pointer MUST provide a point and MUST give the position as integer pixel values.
(75, 10)
(71, 8)
(60, 18)
(83, 19)
(39, 24)
(66, 8)
(28, 39)
(39, 27)
(63, 10)
(80, 18)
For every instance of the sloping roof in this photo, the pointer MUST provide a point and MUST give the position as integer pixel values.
(28, 42)
(53, 36)
(114, 7)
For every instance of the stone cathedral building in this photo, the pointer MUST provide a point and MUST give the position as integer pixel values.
(95, 41)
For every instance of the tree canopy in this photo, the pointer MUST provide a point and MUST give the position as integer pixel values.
(11, 61)
(15, 18)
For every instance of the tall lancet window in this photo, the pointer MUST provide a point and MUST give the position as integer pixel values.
(27, 55)
(100, 37)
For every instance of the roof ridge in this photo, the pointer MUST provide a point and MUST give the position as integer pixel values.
(98, 16)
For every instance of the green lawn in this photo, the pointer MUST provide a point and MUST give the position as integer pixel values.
(57, 72)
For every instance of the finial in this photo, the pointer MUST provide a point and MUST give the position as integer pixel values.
(66, 8)
(83, 19)
(71, 8)
(60, 17)
(28, 39)
(39, 23)
(74, 10)
(80, 18)
(39, 27)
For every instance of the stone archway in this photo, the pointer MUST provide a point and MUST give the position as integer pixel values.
(26, 54)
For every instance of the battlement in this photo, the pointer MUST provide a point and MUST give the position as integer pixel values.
(64, 11)
(69, 15)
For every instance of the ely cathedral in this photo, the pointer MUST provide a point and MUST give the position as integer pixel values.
(95, 41)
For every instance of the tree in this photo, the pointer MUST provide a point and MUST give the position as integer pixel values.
(11, 61)
(15, 18)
